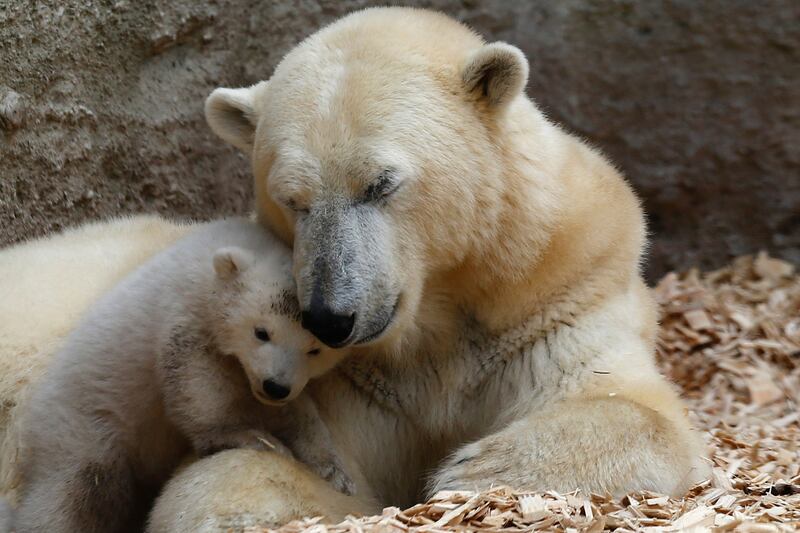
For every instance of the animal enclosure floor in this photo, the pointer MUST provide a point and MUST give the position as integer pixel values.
(731, 340)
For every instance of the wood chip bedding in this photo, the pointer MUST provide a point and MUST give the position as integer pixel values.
(731, 339)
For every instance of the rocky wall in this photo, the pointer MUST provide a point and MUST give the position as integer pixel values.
(697, 102)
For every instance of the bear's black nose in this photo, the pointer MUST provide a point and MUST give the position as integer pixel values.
(327, 326)
(275, 390)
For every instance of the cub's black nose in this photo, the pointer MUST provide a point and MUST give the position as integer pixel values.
(275, 390)
(327, 326)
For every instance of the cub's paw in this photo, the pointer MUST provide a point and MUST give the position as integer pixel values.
(332, 472)
(259, 440)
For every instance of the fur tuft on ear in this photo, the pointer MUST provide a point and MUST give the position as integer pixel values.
(496, 73)
(231, 261)
(231, 115)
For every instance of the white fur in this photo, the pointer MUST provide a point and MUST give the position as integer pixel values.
(231, 115)
(47, 284)
(149, 373)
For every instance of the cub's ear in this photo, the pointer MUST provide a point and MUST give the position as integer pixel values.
(231, 261)
(231, 115)
(496, 73)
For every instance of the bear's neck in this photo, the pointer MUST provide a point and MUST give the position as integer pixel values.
(568, 233)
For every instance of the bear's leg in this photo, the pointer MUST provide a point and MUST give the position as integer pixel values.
(91, 497)
(605, 445)
(240, 488)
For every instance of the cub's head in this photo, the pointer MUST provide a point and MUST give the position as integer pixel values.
(376, 152)
(258, 322)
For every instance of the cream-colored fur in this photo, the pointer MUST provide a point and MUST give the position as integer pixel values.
(47, 284)
(243, 475)
(492, 265)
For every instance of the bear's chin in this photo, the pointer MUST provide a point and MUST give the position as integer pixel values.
(378, 332)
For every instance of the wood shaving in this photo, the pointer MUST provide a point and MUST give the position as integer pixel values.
(731, 339)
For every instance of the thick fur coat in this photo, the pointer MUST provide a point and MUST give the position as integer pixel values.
(47, 285)
(175, 357)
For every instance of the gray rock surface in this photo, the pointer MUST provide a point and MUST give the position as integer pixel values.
(698, 103)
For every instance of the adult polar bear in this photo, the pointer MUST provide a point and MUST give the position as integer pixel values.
(483, 264)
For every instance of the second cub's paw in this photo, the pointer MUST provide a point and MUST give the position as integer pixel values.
(264, 441)
(332, 472)
(251, 439)
(259, 440)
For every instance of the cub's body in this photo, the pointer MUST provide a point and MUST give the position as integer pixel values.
(159, 366)
(47, 284)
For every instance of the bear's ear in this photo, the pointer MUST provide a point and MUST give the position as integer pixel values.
(496, 73)
(231, 115)
(231, 261)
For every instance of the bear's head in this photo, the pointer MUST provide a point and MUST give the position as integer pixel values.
(257, 321)
(379, 149)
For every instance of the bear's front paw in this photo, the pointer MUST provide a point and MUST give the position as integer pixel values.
(467, 469)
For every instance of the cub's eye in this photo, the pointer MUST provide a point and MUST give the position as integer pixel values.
(382, 187)
(315, 351)
(261, 334)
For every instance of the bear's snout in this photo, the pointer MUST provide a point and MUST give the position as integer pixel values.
(275, 390)
(331, 328)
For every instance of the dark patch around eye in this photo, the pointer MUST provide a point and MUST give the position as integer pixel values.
(383, 186)
(315, 351)
(261, 334)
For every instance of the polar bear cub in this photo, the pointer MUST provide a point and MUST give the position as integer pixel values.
(199, 349)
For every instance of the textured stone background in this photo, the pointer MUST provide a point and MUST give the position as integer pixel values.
(698, 102)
